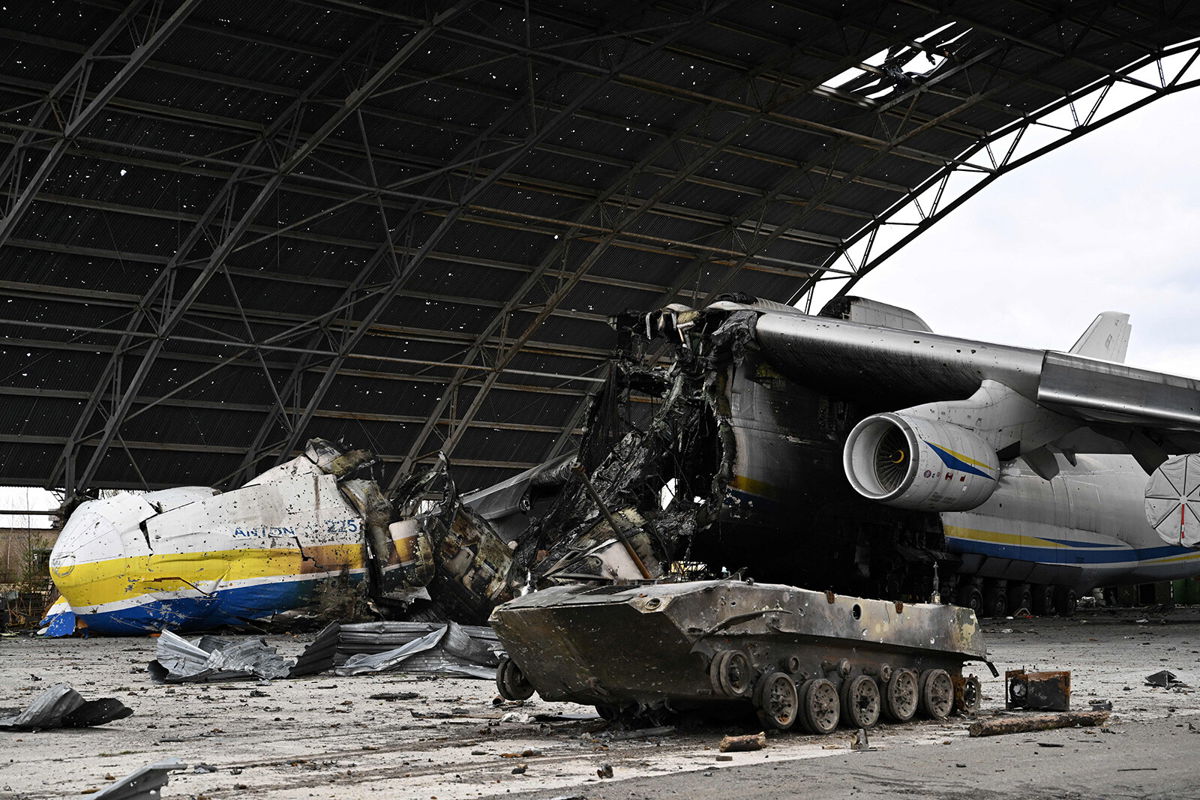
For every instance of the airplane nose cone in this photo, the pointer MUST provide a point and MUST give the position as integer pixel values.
(92, 536)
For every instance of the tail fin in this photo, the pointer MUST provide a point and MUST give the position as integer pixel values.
(1106, 338)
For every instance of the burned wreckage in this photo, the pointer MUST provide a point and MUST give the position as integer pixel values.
(853, 451)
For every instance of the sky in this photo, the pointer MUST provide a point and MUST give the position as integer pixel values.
(1110, 222)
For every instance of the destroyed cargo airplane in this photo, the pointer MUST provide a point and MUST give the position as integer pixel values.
(193, 558)
(854, 450)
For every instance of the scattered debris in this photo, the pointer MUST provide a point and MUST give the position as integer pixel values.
(60, 706)
(203, 769)
(641, 733)
(391, 696)
(738, 744)
(1040, 722)
(143, 784)
(1101, 705)
(605, 771)
(723, 757)
(442, 649)
(1165, 679)
(1037, 691)
(861, 742)
(211, 658)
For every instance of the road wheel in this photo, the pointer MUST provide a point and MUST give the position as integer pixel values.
(776, 701)
(511, 682)
(731, 673)
(820, 706)
(900, 695)
(967, 695)
(937, 694)
(860, 702)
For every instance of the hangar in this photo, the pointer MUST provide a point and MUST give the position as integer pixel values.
(227, 227)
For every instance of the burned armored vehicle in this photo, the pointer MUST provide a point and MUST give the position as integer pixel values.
(720, 648)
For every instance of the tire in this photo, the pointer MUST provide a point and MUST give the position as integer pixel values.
(1065, 600)
(995, 599)
(1043, 599)
(971, 596)
(1020, 597)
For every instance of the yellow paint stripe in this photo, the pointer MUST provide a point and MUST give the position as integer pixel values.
(967, 459)
(116, 579)
(760, 488)
(1000, 538)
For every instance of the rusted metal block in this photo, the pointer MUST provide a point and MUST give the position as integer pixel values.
(1037, 691)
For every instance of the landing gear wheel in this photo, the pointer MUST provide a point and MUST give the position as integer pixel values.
(900, 695)
(819, 706)
(1064, 601)
(1043, 599)
(995, 600)
(967, 695)
(731, 673)
(776, 701)
(860, 702)
(937, 694)
(971, 596)
(511, 682)
(1020, 597)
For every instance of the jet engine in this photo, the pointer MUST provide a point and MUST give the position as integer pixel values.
(911, 462)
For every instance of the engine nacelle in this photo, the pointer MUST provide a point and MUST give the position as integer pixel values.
(911, 462)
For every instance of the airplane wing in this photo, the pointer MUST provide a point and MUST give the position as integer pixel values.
(1146, 413)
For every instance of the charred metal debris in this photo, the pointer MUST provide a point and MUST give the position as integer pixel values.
(663, 485)
(347, 649)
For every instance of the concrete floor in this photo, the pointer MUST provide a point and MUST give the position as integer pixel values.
(324, 737)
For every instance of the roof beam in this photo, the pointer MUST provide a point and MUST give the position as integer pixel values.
(224, 205)
(69, 95)
(777, 99)
(538, 135)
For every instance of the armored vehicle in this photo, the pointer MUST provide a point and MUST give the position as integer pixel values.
(724, 647)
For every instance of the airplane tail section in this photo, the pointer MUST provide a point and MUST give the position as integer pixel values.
(1107, 338)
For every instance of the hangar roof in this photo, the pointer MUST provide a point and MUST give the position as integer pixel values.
(227, 228)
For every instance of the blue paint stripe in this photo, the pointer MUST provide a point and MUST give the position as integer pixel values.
(956, 463)
(233, 606)
(1077, 554)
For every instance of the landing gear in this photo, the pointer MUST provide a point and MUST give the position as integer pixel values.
(1020, 598)
(1064, 601)
(995, 598)
(971, 596)
(1043, 599)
